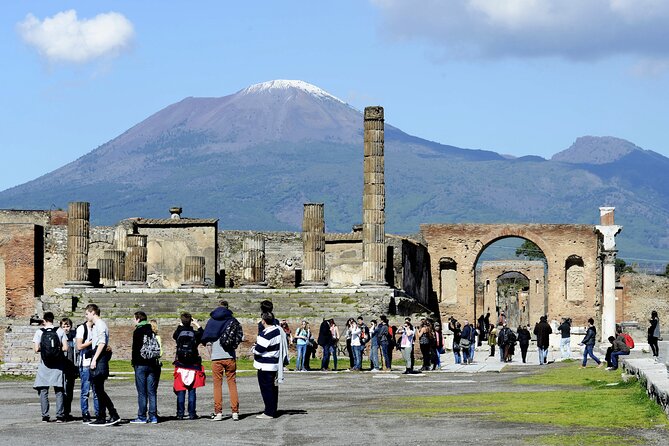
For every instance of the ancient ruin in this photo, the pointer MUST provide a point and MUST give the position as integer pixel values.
(54, 260)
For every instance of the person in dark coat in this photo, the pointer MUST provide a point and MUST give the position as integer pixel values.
(482, 329)
(524, 337)
(542, 331)
(325, 341)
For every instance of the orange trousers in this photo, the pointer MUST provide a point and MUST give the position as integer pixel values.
(219, 368)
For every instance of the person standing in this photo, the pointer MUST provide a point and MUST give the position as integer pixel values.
(224, 361)
(374, 345)
(492, 339)
(84, 342)
(71, 371)
(188, 370)
(383, 336)
(425, 337)
(302, 336)
(654, 334)
(406, 345)
(457, 337)
(543, 330)
(467, 339)
(50, 342)
(565, 337)
(524, 337)
(482, 329)
(438, 346)
(335, 341)
(268, 357)
(589, 342)
(325, 341)
(356, 346)
(99, 368)
(146, 362)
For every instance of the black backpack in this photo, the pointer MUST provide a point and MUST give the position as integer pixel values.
(187, 347)
(231, 335)
(51, 347)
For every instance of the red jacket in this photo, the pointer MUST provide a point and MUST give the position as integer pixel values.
(198, 380)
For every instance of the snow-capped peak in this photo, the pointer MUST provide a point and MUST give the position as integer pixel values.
(282, 84)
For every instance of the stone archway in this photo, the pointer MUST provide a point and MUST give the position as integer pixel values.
(464, 243)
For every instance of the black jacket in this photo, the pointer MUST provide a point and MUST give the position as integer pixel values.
(324, 334)
(524, 336)
(543, 330)
(565, 329)
(137, 342)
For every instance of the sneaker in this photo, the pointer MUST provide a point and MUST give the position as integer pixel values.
(263, 416)
(235, 416)
(86, 419)
(600, 365)
(180, 417)
(45, 419)
(217, 417)
(113, 419)
(140, 420)
(97, 423)
(153, 420)
(193, 417)
(60, 419)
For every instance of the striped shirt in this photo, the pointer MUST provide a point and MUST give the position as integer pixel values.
(266, 350)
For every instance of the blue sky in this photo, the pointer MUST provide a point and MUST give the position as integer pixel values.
(519, 77)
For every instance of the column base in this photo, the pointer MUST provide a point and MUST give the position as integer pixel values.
(78, 284)
(313, 285)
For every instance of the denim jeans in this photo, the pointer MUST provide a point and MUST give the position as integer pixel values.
(357, 356)
(588, 351)
(374, 355)
(565, 348)
(333, 352)
(385, 351)
(543, 355)
(472, 348)
(458, 358)
(84, 373)
(325, 363)
(181, 402)
(146, 382)
(301, 353)
(465, 354)
(614, 358)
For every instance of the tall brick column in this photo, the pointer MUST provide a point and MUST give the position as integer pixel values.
(135, 260)
(608, 231)
(254, 261)
(374, 201)
(78, 227)
(194, 272)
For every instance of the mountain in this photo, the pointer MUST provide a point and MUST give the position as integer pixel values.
(253, 158)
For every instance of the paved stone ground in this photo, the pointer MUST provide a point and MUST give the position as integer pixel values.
(316, 408)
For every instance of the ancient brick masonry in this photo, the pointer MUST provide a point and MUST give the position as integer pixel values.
(374, 200)
(254, 261)
(313, 238)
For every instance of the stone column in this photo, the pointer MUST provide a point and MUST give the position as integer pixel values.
(118, 257)
(374, 201)
(254, 261)
(106, 268)
(313, 245)
(194, 272)
(78, 224)
(135, 260)
(120, 235)
(608, 231)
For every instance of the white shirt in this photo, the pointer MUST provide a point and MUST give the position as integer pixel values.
(85, 362)
(99, 334)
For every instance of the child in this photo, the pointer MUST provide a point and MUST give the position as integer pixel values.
(188, 370)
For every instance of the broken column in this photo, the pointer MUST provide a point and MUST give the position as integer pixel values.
(78, 226)
(106, 268)
(608, 230)
(118, 257)
(254, 261)
(194, 272)
(373, 201)
(313, 244)
(135, 260)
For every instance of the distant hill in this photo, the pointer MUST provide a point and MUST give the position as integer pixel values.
(254, 157)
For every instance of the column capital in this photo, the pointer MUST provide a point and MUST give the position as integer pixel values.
(609, 232)
(609, 257)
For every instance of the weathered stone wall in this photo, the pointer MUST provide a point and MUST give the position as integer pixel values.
(641, 294)
(416, 279)
(36, 217)
(21, 252)
(464, 243)
(55, 257)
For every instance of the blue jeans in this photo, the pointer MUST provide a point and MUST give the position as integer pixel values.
(325, 363)
(465, 354)
(333, 352)
(386, 354)
(543, 355)
(146, 382)
(357, 356)
(614, 358)
(84, 373)
(472, 348)
(588, 351)
(301, 353)
(374, 355)
(458, 358)
(181, 402)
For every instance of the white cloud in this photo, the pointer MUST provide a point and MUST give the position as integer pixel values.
(573, 29)
(65, 38)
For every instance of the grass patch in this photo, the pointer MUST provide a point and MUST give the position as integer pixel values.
(586, 439)
(589, 401)
(4, 377)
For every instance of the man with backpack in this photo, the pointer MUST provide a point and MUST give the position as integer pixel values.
(50, 342)
(84, 341)
(146, 362)
(222, 335)
(188, 371)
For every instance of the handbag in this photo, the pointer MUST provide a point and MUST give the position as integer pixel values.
(465, 343)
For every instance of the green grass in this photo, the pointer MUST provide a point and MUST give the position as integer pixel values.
(8, 377)
(588, 398)
(586, 439)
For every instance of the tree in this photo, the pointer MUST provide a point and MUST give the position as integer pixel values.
(530, 251)
(621, 267)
